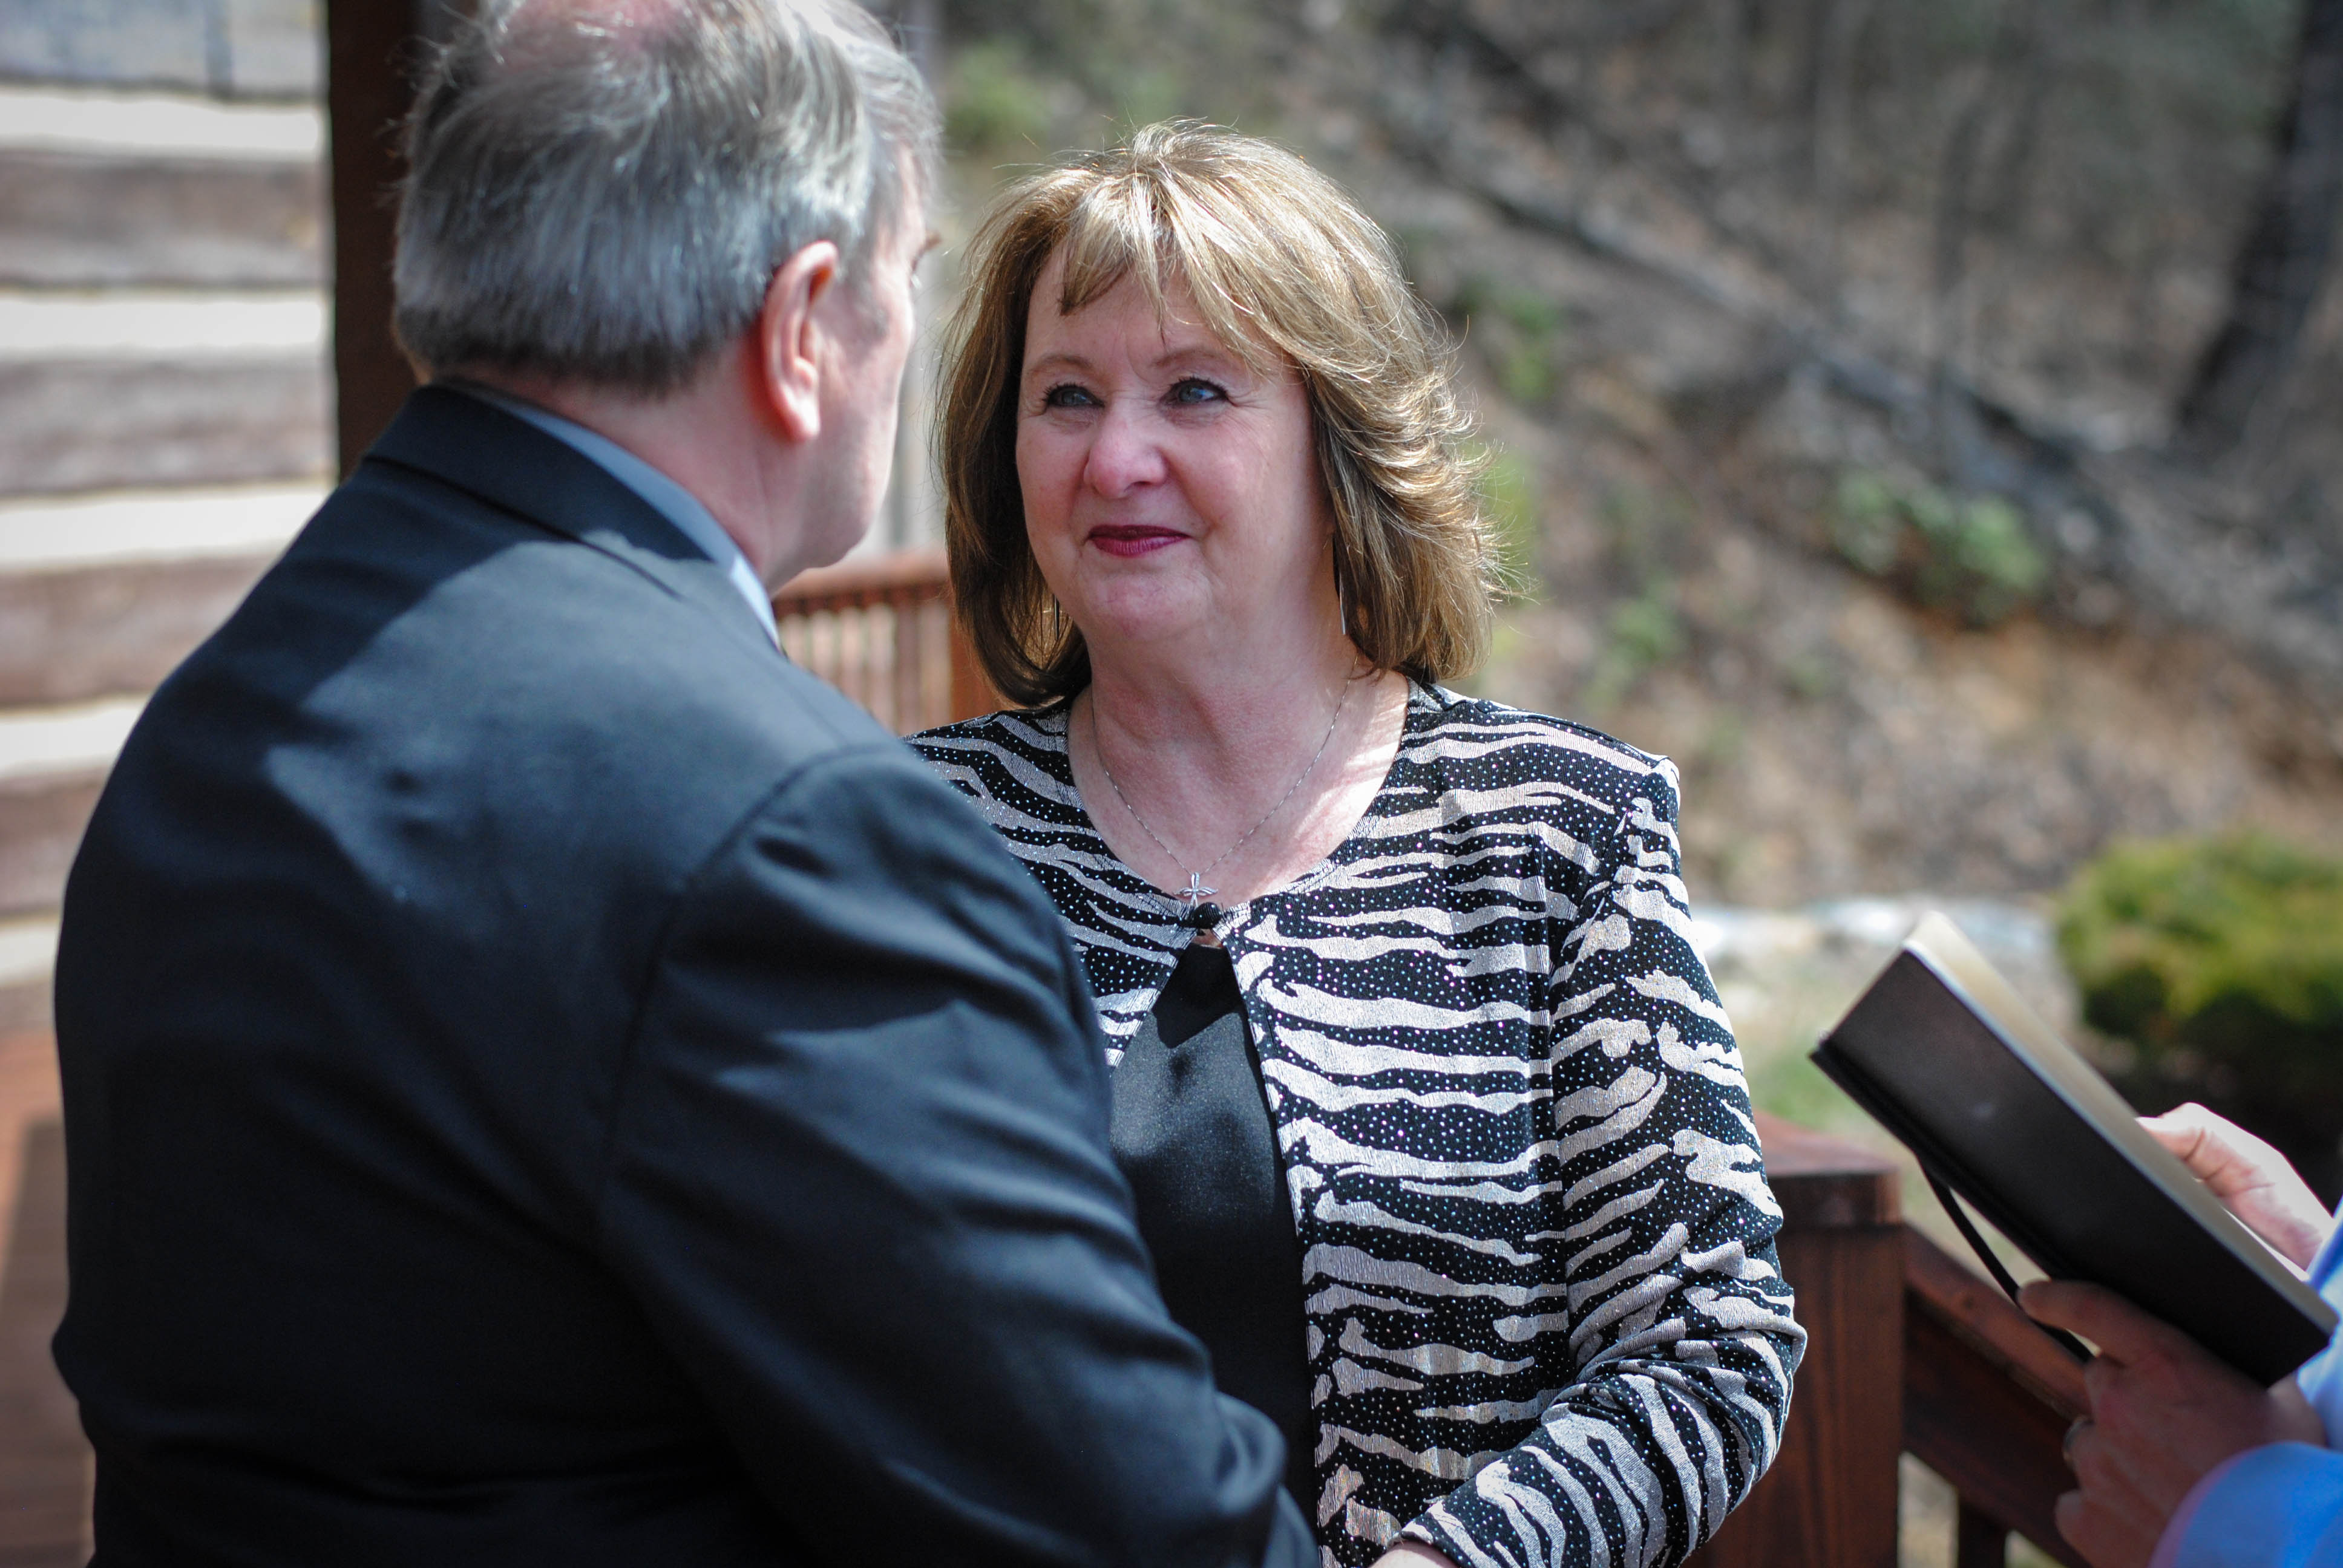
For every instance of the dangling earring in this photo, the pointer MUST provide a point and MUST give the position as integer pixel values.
(1057, 623)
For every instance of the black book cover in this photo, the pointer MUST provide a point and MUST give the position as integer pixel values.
(1946, 1057)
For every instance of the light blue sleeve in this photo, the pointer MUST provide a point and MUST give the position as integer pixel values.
(2275, 1507)
(2321, 1377)
(2280, 1506)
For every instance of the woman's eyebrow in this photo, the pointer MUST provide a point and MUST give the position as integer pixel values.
(1207, 353)
(1060, 360)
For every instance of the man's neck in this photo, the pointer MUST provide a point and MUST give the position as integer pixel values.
(699, 436)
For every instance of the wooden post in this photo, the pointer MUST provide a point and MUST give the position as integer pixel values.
(371, 50)
(1987, 1397)
(1829, 1501)
(972, 696)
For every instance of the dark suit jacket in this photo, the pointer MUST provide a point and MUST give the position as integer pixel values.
(546, 1081)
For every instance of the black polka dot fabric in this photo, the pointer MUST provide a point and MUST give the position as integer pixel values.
(1544, 1319)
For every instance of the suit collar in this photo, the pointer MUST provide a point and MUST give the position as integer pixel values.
(509, 463)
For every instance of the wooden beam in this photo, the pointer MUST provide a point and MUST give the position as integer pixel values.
(126, 425)
(371, 50)
(78, 221)
(112, 630)
(41, 823)
(44, 1459)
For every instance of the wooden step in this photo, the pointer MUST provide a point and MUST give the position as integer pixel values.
(24, 1005)
(72, 636)
(41, 823)
(92, 424)
(45, 1462)
(70, 221)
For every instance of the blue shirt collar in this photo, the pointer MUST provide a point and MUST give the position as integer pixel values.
(670, 500)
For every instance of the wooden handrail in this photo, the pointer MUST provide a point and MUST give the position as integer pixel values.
(906, 577)
(881, 630)
(1907, 1352)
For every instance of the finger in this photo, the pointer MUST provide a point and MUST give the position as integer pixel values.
(2182, 1130)
(2217, 1150)
(2100, 1374)
(2075, 1434)
(2121, 1331)
(2067, 1514)
(2108, 1535)
(2085, 1529)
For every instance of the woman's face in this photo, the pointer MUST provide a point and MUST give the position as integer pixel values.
(1169, 491)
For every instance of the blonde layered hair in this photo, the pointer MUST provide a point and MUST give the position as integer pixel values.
(1282, 265)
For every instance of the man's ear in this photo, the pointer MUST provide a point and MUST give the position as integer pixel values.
(790, 335)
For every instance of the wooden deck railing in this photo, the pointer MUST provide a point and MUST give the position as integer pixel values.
(1987, 1399)
(880, 630)
(1909, 1352)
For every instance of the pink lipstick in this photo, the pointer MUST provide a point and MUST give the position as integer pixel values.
(1132, 540)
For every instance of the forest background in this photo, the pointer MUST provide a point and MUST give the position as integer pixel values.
(1913, 416)
(1916, 418)
(1846, 364)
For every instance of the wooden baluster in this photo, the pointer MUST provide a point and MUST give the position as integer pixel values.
(1979, 1540)
(910, 713)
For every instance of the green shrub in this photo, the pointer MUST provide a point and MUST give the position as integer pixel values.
(2220, 961)
(1972, 555)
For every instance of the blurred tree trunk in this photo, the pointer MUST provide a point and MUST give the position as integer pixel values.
(1732, 23)
(2015, 33)
(1838, 34)
(2282, 262)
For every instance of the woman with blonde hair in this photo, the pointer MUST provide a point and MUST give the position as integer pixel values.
(1435, 1127)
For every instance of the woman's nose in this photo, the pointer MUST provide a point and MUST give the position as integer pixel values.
(1123, 452)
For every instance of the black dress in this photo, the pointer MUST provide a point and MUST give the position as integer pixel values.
(1192, 1134)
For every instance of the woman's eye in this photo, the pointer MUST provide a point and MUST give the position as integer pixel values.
(1066, 395)
(1194, 390)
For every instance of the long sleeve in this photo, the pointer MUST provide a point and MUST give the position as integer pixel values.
(859, 1177)
(2280, 1506)
(2275, 1507)
(1672, 1344)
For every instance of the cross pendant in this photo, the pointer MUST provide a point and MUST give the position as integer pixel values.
(1195, 892)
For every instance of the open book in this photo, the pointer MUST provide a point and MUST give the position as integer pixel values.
(1941, 1051)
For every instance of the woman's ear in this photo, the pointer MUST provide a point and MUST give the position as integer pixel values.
(791, 338)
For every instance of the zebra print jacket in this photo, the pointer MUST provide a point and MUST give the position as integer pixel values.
(1544, 1319)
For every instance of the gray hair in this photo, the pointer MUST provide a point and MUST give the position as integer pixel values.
(601, 191)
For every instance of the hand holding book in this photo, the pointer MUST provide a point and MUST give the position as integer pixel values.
(2176, 1244)
(1999, 1110)
(2165, 1413)
(2253, 1180)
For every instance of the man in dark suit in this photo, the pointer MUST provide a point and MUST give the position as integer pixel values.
(546, 1081)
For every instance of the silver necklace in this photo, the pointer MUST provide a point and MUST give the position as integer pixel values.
(1194, 910)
